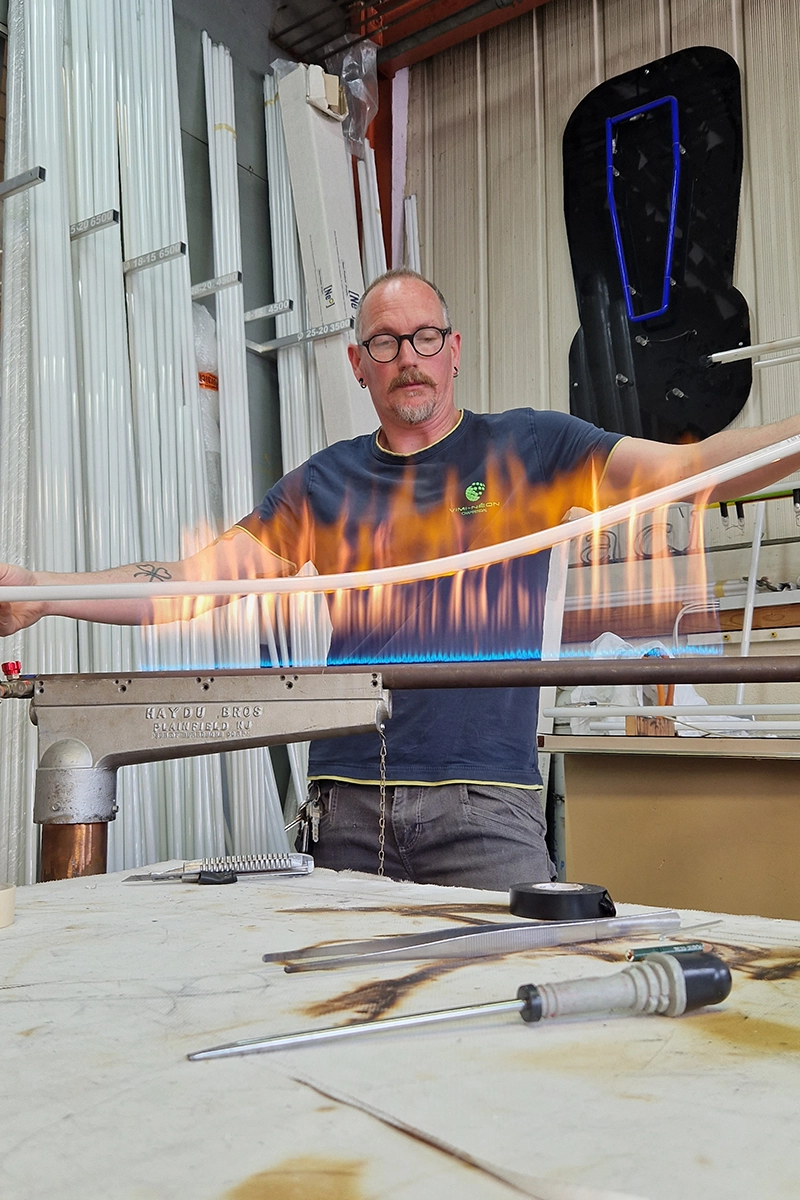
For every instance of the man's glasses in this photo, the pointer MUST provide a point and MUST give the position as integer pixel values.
(385, 347)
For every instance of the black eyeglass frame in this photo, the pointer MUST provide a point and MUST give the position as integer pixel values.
(406, 337)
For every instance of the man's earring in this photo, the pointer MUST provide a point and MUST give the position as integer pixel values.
(455, 372)
(361, 381)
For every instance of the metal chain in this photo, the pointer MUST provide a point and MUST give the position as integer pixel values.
(382, 816)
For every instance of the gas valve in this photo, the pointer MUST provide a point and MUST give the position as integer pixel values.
(14, 687)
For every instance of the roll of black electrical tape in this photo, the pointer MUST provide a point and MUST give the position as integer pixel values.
(560, 901)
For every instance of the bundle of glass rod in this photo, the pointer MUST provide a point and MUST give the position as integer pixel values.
(302, 428)
(54, 483)
(110, 500)
(18, 836)
(173, 492)
(411, 222)
(55, 531)
(255, 809)
(373, 249)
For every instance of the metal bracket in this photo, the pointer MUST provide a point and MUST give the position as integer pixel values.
(269, 310)
(153, 258)
(216, 285)
(306, 335)
(20, 183)
(93, 224)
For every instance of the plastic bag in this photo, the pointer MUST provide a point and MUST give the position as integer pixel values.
(609, 645)
(357, 68)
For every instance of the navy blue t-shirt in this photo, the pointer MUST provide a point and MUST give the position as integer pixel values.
(355, 506)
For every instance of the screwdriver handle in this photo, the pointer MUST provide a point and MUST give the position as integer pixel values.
(667, 984)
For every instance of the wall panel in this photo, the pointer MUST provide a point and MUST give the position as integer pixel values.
(635, 31)
(516, 212)
(572, 41)
(772, 71)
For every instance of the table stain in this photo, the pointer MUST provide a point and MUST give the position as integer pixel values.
(757, 963)
(756, 1035)
(468, 914)
(303, 1178)
(375, 999)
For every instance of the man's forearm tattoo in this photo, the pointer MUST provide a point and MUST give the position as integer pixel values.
(152, 572)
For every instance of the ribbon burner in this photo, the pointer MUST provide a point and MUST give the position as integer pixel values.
(90, 725)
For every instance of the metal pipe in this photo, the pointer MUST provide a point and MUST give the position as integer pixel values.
(574, 671)
(69, 851)
(464, 16)
(560, 672)
(674, 710)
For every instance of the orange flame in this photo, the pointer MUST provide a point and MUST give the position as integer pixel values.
(629, 579)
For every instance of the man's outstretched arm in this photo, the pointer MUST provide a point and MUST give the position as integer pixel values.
(234, 555)
(637, 466)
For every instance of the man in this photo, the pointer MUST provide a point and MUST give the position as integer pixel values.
(461, 802)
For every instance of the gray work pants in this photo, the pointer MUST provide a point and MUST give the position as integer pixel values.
(461, 835)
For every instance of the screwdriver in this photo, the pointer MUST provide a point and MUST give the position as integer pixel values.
(662, 983)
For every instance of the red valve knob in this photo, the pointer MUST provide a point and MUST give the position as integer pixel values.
(11, 669)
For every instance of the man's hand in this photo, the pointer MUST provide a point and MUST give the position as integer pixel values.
(234, 555)
(14, 617)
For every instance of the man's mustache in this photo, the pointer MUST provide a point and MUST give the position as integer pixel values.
(411, 375)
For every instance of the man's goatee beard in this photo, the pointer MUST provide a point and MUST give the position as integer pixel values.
(415, 414)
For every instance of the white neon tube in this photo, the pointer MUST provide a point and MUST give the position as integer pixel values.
(531, 543)
(726, 356)
(752, 577)
(253, 794)
(776, 362)
(19, 837)
(742, 733)
(673, 710)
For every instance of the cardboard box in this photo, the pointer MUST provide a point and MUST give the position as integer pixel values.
(322, 187)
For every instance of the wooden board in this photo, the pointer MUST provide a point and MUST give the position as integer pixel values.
(697, 833)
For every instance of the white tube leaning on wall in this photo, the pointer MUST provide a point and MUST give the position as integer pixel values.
(18, 835)
(373, 250)
(109, 464)
(412, 233)
(253, 797)
(302, 426)
(173, 498)
(55, 505)
(752, 579)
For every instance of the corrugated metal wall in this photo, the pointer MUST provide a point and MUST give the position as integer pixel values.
(484, 158)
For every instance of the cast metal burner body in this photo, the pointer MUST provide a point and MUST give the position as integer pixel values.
(91, 725)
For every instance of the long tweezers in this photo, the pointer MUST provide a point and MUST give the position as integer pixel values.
(471, 942)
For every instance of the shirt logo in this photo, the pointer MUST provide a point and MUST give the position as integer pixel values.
(475, 492)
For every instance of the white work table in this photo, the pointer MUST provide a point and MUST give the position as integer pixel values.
(106, 986)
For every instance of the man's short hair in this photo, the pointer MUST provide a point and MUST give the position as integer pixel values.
(400, 273)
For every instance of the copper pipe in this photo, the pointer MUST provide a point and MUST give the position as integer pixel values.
(69, 851)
